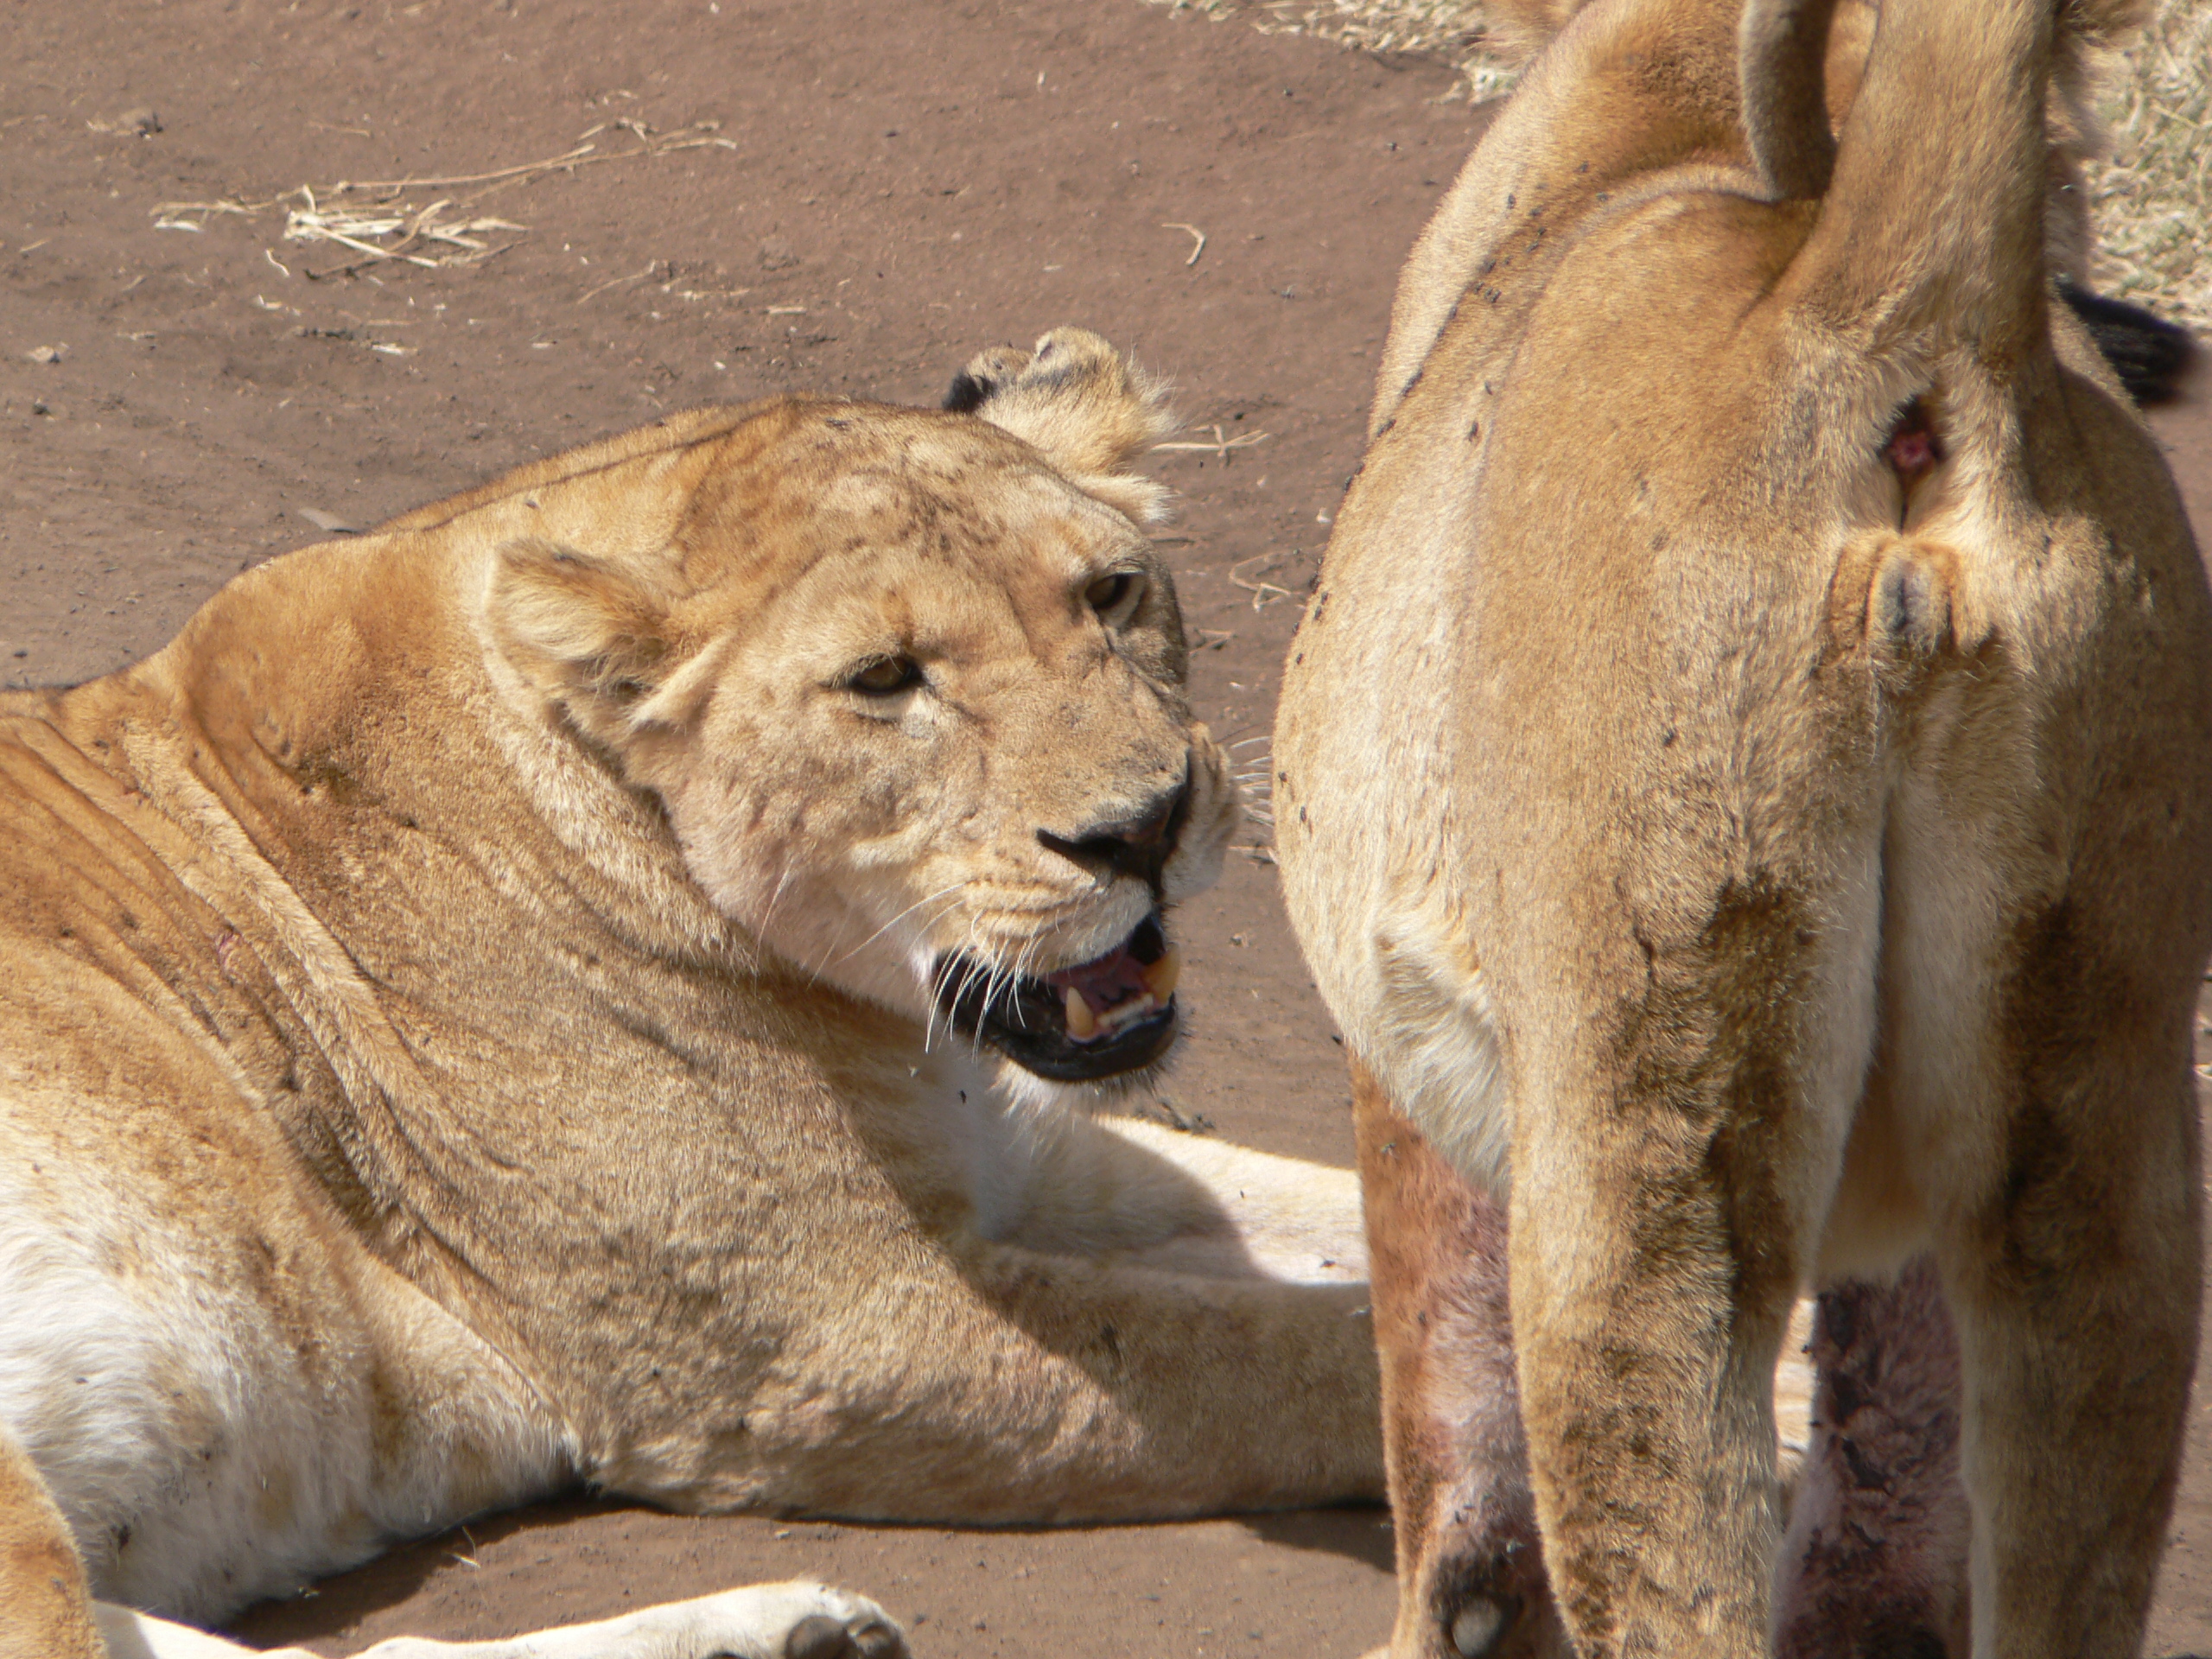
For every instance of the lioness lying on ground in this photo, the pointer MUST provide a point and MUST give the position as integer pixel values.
(1745, 787)
(532, 995)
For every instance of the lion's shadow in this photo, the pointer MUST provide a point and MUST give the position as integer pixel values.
(579, 1557)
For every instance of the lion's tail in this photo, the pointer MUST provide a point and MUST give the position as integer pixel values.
(1931, 223)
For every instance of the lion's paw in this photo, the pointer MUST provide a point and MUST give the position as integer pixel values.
(798, 1619)
(867, 1633)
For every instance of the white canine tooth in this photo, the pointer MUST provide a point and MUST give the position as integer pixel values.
(1082, 1023)
(1159, 977)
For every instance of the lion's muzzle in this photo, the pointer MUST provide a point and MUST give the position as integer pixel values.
(1138, 845)
(1096, 1020)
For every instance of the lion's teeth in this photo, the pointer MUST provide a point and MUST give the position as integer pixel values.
(1082, 1023)
(1122, 1013)
(1159, 977)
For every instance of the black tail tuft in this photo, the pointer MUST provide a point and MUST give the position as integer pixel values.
(2151, 356)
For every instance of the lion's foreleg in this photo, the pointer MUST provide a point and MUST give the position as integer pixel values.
(1049, 1389)
(794, 1620)
(797, 1619)
(1198, 1395)
(1471, 1577)
(1190, 1203)
(132, 1635)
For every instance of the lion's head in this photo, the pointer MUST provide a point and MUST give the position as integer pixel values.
(909, 686)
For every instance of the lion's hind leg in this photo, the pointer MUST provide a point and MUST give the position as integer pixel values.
(47, 1610)
(46, 1607)
(2071, 1256)
(1671, 1172)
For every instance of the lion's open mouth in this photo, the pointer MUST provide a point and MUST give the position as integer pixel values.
(1096, 1020)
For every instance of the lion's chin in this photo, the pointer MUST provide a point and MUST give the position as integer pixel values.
(1100, 1019)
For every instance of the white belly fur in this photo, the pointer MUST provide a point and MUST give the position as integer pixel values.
(205, 1456)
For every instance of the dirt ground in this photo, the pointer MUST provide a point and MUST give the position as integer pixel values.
(902, 183)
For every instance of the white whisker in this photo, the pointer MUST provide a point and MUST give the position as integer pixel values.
(783, 880)
(902, 915)
(953, 991)
(814, 973)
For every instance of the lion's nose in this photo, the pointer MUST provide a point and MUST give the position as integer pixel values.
(1137, 845)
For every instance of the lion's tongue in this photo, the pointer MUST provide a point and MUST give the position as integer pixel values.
(1113, 989)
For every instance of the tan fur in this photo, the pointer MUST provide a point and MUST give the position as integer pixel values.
(1469, 226)
(483, 970)
(48, 1609)
(1756, 858)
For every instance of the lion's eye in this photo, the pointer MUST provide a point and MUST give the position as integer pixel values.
(885, 675)
(1111, 592)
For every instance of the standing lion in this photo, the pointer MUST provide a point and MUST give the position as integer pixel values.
(1743, 784)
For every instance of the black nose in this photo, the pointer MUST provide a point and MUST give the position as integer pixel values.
(1138, 845)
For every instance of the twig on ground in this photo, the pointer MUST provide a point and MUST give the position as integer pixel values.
(1177, 1119)
(1259, 586)
(617, 282)
(1220, 446)
(1200, 236)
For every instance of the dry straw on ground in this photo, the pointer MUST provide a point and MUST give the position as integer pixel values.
(2152, 194)
(378, 221)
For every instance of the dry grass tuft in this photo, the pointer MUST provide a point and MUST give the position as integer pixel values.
(424, 236)
(2150, 196)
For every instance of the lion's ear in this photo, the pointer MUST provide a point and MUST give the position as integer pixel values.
(1087, 408)
(590, 634)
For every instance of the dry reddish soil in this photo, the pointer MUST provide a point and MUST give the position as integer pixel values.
(903, 183)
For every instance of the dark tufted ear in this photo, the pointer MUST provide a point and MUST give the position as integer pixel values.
(1085, 406)
(985, 372)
